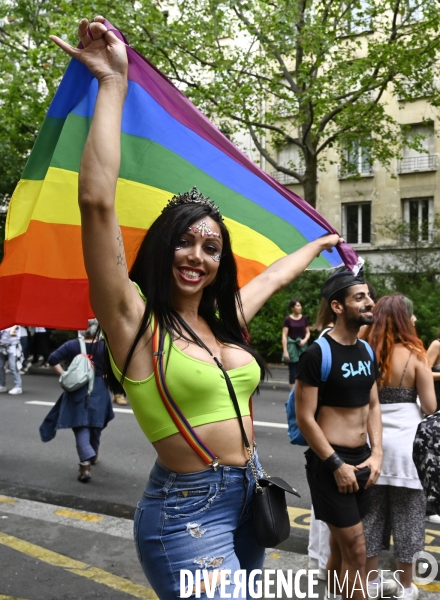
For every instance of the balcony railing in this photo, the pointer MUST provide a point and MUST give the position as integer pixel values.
(424, 162)
(355, 171)
(285, 179)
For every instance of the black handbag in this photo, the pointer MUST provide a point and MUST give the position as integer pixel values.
(271, 519)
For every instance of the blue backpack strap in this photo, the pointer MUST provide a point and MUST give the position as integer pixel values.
(326, 362)
(369, 348)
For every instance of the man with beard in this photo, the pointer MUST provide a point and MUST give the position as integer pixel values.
(335, 417)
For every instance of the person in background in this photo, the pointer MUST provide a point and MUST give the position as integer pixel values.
(434, 363)
(41, 346)
(86, 415)
(318, 549)
(337, 418)
(24, 341)
(296, 332)
(120, 399)
(10, 352)
(398, 500)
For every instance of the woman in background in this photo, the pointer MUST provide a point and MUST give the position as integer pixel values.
(434, 362)
(296, 332)
(85, 415)
(398, 500)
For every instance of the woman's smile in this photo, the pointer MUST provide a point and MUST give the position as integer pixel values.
(191, 274)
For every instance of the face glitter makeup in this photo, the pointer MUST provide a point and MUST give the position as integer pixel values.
(203, 229)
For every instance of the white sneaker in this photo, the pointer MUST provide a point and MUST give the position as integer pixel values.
(413, 595)
(322, 575)
(433, 518)
(15, 391)
(387, 587)
(2, 389)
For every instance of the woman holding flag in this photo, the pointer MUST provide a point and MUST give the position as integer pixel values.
(169, 325)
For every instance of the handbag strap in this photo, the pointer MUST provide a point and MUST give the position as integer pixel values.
(182, 424)
(158, 342)
(225, 374)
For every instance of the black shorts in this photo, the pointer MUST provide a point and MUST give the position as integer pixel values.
(340, 510)
(293, 370)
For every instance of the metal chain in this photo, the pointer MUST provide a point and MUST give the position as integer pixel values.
(258, 488)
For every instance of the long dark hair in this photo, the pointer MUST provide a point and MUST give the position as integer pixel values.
(152, 269)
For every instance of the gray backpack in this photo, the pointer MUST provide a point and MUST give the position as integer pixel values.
(81, 371)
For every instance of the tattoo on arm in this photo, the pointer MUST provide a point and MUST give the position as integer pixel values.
(121, 256)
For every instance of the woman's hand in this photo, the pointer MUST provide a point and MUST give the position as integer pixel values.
(327, 242)
(104, 55)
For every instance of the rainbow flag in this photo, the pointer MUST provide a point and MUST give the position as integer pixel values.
(168, 146)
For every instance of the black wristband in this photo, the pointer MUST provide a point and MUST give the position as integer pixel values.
(333, 462)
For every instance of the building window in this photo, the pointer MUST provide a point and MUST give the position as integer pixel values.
(418, 214)
(356, 223)
(290, 157)
(422, 158)
(357, 162)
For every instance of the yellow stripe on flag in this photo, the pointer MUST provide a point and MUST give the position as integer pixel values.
(55, 201)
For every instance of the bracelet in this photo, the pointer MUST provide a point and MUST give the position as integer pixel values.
(333, 462)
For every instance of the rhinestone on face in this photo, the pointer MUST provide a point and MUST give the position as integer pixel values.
(203, 229)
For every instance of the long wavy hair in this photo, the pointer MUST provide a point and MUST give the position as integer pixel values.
(392, 325)
(152, 270)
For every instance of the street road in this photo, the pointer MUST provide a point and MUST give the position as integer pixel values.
(64, 540)
(33, 469)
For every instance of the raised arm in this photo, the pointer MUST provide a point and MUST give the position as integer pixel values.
(114, 300)
(255, 293)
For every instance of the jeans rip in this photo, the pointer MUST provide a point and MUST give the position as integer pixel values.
(183, 503)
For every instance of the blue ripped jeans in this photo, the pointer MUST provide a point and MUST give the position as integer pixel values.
(196, 521)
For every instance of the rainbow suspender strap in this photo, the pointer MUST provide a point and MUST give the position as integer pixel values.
(176, 414)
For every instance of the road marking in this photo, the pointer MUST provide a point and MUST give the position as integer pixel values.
(277, 425)
(59, 515)
(431, 587)
(128, 411)
(74, 514)
(6, 500)
(77, 567)
(10, 598)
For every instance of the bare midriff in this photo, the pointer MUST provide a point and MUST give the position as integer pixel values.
(224, 438)
(344, 426)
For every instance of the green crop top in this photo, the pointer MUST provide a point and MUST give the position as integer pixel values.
(198, 387)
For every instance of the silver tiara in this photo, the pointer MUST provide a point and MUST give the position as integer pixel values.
(193, 197)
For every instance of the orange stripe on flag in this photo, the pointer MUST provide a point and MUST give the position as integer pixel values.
(54, 250)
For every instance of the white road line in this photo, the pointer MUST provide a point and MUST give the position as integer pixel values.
(265, 424)
(128, 411)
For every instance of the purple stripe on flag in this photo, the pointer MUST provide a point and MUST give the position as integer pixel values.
(141, 71)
